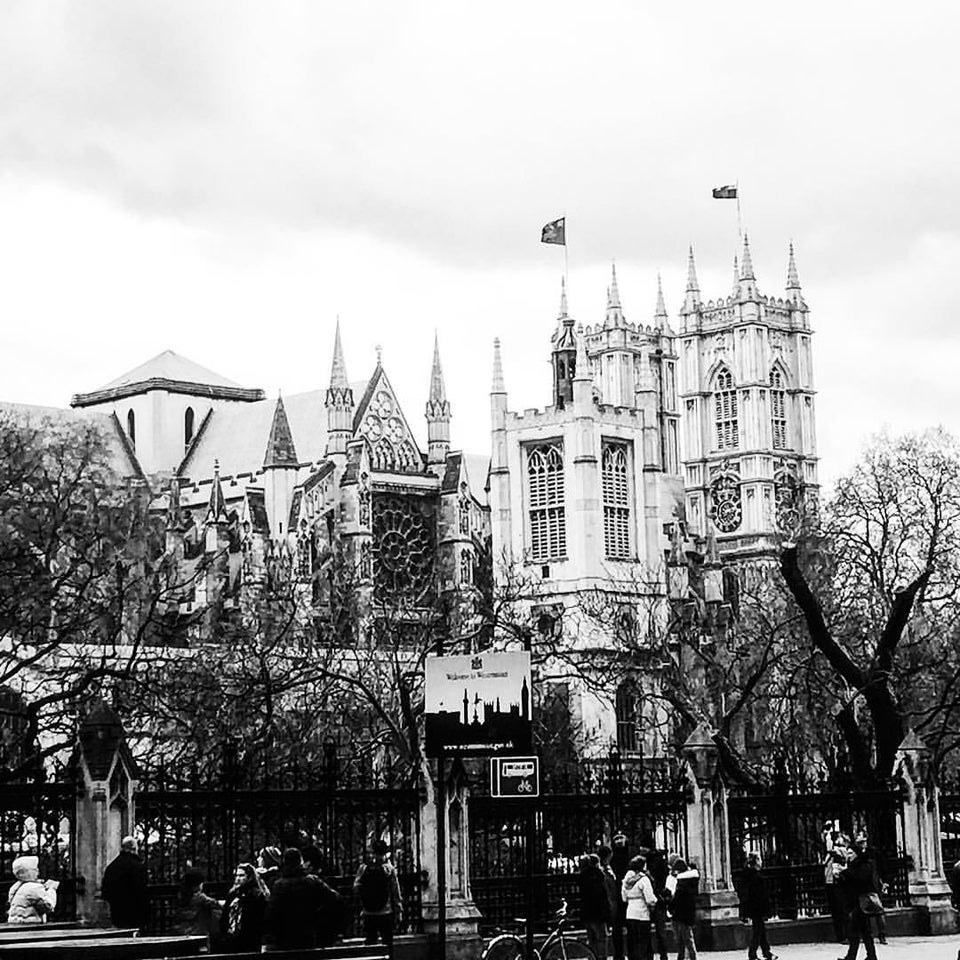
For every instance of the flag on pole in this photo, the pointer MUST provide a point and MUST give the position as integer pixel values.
(555, 232)
(729, 192)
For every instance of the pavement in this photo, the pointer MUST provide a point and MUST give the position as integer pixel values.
(896, 948)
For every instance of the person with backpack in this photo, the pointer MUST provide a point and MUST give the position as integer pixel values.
(378, 888)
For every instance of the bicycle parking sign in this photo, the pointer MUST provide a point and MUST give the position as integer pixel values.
(514, 776)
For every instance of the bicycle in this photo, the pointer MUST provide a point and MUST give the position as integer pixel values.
(557, 945)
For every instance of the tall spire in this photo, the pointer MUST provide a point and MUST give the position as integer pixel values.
(746, 264)
(217, 507)
(736, 275)
(793, 279)
(660, 315)
(281, 451)
(692, 296)
(614, 317)
(438, 392)
(338, 371)
(563, 298)
(498, 384)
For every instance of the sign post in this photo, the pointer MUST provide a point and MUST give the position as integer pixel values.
(514, 776)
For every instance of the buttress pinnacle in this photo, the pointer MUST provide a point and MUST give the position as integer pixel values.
(338, 370)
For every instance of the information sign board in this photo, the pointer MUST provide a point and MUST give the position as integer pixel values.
(514, 776)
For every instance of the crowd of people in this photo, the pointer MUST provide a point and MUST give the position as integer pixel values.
(281, 903)
(626, 900)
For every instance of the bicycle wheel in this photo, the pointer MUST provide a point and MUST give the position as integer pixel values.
(505, 947)
(569, 949)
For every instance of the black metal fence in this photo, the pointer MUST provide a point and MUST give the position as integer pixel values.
(580, 806)
(788, 828)
(183, 822)
(40, 818)
(950, 820)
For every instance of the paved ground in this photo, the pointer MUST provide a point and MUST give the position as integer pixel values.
(897, 948)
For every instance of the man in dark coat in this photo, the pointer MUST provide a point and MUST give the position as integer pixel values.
(620, 864)
(594, 903)
(755, 906)
(294, 907)
(860, 880)
(659, 871)
(124, 887)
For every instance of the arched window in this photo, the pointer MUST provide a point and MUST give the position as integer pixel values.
(548, 531)
(778, 409)
(725, 411)
(187, 425)
(628, 716)
(132, 427)
(616, 501)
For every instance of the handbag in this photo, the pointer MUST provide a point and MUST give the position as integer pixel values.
(870, 904)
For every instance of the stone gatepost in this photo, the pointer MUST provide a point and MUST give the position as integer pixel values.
(462, 938)
(708, 843)
(928, 886)
(105, 805)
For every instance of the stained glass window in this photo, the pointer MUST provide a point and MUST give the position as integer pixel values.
(403, 548)
(548, 530)
(726, 414)
(616, 501)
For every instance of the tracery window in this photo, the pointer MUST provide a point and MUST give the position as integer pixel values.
(464, 509)
(404, 532)
(132, 427)
(466, 568)
(727, 507)
(726, 413)
(548, 531)
(778, 409)
(616, 500)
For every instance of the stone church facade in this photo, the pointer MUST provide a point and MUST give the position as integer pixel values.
(657, 442)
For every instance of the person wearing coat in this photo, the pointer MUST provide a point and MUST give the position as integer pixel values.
(195, 913)
(124, 887)
(620, 864)
(594, 903)
(295, 904)
(860, 881)
(681, 891)
(637, 893)
(241, 920)
(755, 906)
(30, 899)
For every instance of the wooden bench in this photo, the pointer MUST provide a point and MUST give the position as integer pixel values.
(41, 933)
(106, 948)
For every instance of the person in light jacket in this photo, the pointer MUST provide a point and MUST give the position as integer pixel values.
(682, 888)
(31, 899)
(637, 893)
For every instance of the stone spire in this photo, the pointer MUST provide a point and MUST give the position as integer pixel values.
(692, 298)
(217, 507)
(793, 279)
(563, 299)
(339, 402)
(660, 318)
(437, 412)
(338, 370)
(736, 275)
(281, 451)
(746, 264)
(614, 317)
(498, 385)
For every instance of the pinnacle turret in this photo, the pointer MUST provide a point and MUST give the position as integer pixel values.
(437, 412)
(692, 297)
(660, 318)
(736, 275)
(438, 391)
(498, 384)
(746, 264)
(793, 279)
(563, 299)
(614, 317)
(281, 451)
(338, 370)
(217, 506)
(339, 401)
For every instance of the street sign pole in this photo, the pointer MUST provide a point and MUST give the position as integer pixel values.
(441, 857)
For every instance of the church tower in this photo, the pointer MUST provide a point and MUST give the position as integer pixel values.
(750, 454)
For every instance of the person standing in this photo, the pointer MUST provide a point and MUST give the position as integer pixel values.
(30, 899)
(195, 913)
(268, 865)
(755, 907)
(124, 887)
(594, 903)
(241, 921)
(378, 887)
(620, 864)
(294, 907)
(659, 871)
(637, 893)
(682, 888)
(862, 887)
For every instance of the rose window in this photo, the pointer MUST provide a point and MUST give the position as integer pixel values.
(395, 429)
(727, 508)
(383, 404)
(403, 548)
(372, 428)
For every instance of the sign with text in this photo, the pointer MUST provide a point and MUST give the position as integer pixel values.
(514, 776)
(477, 704)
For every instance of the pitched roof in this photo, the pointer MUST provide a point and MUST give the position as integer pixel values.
(170, 366)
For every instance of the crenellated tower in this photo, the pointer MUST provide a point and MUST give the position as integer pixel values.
(750, 455)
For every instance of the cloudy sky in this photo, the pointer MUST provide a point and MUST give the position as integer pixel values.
(224, 178)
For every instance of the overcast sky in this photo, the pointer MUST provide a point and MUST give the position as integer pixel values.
(224, 178)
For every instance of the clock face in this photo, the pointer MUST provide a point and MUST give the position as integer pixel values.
(383, 404)
(372, 427)
(394, 429)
